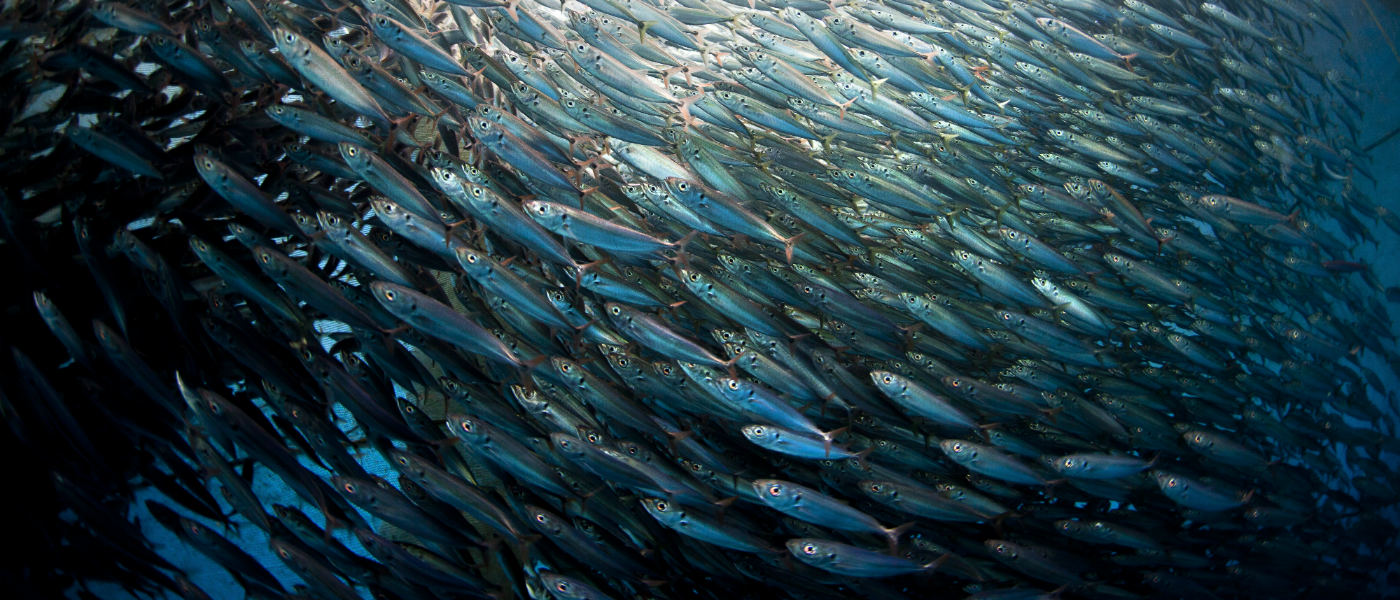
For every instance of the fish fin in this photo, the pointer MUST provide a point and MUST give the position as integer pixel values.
(526, 367)
(831, 435)
(896, 533)
(789, 244)
(681, 259)
(862, 455)
(937, 562)
(843, 106)
(397, 330)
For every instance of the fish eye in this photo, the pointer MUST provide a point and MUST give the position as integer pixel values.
(662, 506)
(349, 487)
(615, 310)
(758, 430)
(540, 518)
(957, 447)
(1172, 482)
(561, 586)
(390, 295)
(775, 490)
(887, 379)
(733, 384)
(1069, 463)
(809, 549)
(467, 426)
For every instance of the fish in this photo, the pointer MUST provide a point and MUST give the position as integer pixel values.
(697, 299)
(853, 561)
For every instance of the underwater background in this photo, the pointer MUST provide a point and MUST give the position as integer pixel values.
(194, 226)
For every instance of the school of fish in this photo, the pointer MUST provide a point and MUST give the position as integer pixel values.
(693, 299)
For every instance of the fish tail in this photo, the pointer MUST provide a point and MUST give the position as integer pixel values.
(897, 532)
(789, 244)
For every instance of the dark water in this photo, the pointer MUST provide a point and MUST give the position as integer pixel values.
(1366, 46)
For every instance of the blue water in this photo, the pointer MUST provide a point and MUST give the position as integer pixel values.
(1380, 102)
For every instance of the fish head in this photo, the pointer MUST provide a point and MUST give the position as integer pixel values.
(546, 213)
(405, 461)
(567, 445)
(888, 382)
(1003, 550)
(663, 510)
(811, 550)
(776, 493)
(959, 450)
(760, 434)
(291, 44)
(382, 25)
(618, 313)
(306, 223)
(1199, 439)
(544, 521)
(1169, 482)
(1071, 464)
(735, 390)
(879, 490)
(467, 429)
(696, 282)
(568, 369)
(351, 488)
(395, 298)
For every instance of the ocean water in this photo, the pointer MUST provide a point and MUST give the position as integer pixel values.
(1366, 45)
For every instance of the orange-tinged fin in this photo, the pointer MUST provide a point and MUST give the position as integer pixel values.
(862, 455)
(788, 245)
(896, 533)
